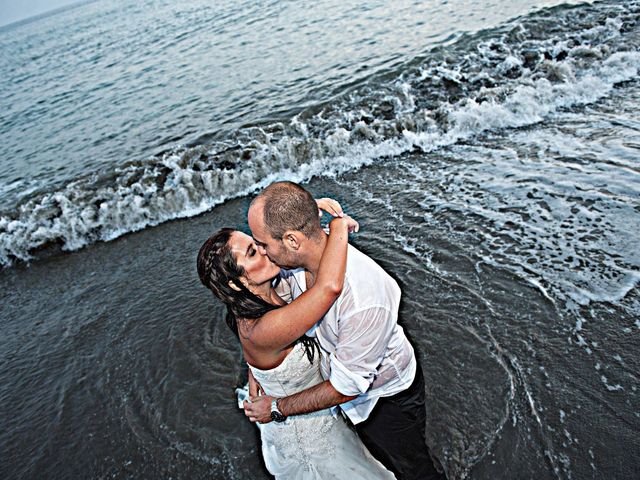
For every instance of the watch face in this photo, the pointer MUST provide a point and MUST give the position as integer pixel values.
(277, 417)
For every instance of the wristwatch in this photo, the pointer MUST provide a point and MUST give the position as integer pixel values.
(276, 415)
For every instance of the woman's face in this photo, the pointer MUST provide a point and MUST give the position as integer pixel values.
(258, 269)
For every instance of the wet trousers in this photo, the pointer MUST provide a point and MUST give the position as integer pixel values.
(394, 433)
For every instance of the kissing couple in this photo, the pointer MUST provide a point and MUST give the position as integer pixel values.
(333, 380)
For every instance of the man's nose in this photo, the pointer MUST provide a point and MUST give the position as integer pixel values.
(261, 250)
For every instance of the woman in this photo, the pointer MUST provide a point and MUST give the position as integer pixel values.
(315, 445)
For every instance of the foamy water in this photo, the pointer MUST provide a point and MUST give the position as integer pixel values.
(492, 162)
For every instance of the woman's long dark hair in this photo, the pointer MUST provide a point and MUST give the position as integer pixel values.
(217, 267)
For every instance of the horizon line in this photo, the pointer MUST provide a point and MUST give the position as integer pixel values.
(39, 16)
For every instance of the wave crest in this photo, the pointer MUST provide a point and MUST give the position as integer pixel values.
(517, 77)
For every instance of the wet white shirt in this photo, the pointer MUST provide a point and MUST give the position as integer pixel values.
(365, 351)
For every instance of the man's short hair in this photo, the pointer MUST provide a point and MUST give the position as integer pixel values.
(288, 206)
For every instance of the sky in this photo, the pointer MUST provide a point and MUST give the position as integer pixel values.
(15, 10)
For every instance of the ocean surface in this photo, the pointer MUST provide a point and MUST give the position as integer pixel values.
(489, 149)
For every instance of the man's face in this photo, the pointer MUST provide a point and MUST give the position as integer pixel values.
(271, 247)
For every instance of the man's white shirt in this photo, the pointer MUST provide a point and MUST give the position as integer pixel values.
(365, 351)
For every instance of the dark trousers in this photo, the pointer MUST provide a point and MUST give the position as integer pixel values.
(394, 433)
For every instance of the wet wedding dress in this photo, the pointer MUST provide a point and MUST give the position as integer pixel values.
(315, 445)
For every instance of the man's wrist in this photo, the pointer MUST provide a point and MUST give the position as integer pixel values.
(276, 414)
(282, 406)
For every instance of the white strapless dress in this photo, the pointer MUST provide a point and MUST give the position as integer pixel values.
(315, 445)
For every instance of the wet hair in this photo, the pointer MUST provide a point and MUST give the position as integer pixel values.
(288, 206)
(217, 267)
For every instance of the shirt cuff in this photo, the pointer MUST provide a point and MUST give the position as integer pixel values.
(345, 381)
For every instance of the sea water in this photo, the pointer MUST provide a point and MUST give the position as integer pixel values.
(489, 150)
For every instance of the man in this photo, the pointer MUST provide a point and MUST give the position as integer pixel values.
(369, 366)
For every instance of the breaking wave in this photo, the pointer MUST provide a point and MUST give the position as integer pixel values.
(513, 77)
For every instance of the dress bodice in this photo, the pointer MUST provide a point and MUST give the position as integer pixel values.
(293, 375)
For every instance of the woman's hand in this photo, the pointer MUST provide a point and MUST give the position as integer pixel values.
(345, 221)
(330, 206)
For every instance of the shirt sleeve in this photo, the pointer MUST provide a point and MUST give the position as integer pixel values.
(362, 344)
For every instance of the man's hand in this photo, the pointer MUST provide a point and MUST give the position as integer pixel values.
(259, 408)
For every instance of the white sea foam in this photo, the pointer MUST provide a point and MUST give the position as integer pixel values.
(187, 182)
(612, 388)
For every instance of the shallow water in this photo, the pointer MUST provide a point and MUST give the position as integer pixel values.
(495, 174)
(112, 109)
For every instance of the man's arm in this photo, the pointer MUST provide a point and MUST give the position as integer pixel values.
(318, 397)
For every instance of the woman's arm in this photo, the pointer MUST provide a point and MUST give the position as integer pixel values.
(278, 328)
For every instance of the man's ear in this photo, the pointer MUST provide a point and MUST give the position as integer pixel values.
(292, 239)
(233, 286)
